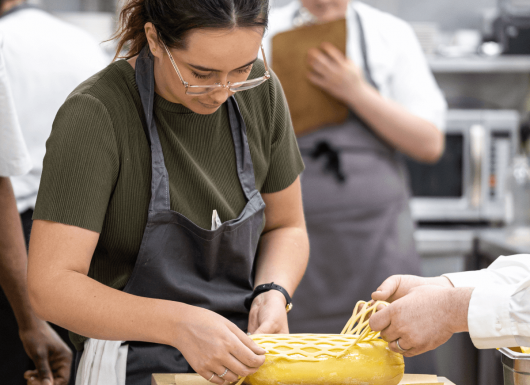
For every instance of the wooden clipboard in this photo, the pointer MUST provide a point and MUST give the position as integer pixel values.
(311, 108)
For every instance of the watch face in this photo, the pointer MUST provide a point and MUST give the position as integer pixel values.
(289, 307)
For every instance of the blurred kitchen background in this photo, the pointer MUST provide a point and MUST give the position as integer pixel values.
(473, 205)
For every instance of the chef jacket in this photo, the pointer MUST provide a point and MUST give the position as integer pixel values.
(499, 309)
(397, 63)
(14, 157)
(45, 58)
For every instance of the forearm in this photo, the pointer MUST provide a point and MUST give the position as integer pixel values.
(61, 292)
(89, 308)
(283, 256)
(412, 135)
(13, 258)
(459, 302)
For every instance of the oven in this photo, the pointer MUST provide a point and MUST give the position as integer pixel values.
(468, 184)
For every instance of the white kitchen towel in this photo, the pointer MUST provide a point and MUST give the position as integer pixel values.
(216, 221)
(102, 363)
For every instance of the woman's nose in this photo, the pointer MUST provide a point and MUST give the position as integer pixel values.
(220, 95)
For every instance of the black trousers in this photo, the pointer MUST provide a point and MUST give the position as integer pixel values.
(13, 359)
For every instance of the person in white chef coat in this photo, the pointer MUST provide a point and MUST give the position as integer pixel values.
(492, 304)
(355, 186)
(45, 59)
(49, 353)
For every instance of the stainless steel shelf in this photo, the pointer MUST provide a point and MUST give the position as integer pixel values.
(480, 64)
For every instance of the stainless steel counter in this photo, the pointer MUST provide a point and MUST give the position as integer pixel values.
(490, 244)
(480, 64)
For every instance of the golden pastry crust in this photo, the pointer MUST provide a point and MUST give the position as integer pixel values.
(356, 356)
(364, 363)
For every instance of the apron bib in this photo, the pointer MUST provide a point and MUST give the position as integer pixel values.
(180, 261)
(358, 220)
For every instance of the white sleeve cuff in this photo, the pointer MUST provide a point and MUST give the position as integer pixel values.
(489, 317)
(469, 278)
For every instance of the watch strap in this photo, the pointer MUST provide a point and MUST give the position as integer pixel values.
(260, 289)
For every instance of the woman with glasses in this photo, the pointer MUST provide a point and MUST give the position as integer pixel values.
(169, 219)
(355, 185)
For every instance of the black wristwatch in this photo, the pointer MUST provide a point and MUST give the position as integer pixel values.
(268, 287)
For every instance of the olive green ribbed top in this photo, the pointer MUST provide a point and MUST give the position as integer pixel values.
(97, 168)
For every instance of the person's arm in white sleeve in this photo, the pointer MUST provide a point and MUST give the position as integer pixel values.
(499, 308)
(397, 125)
(413, 85)
(492, 304)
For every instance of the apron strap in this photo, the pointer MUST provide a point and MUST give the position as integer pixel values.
(364, 50)
(245, 167)
(145, 79)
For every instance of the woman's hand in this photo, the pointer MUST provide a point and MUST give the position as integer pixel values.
(331, 71)
(211, 344)
(268, 315)
(51, 356)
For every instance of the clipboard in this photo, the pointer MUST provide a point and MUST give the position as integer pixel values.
(310, 107)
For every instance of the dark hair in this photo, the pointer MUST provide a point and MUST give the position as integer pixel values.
(173, 19)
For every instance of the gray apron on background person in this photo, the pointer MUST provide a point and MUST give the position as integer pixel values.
(355, 194)
(180, 261)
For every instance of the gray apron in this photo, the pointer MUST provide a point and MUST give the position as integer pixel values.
(355, 198)
(180, 261)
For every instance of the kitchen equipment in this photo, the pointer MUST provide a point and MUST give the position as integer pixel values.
(518, 196)
(516, 367)
(468, 182)
(513, 26)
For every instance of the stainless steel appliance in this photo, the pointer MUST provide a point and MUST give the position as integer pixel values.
(468, 183)
(513, 26)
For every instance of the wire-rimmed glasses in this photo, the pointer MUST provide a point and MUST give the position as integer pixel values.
(233, 87)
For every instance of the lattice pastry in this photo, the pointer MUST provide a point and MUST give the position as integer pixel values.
(356, 356)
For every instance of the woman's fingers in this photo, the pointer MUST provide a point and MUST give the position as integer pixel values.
(226, 373)
(210, 376)
(249, 343)
(237, 368)
(247, 358)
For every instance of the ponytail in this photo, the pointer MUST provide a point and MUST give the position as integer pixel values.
(131, 33)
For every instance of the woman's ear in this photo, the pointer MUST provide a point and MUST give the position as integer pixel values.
(152, 39)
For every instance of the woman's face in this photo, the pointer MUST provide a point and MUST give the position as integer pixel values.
(211, 56)
(326, 10)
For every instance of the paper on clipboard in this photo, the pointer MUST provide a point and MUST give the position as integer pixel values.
(311, 107)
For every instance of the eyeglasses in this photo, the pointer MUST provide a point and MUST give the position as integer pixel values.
(234, 87)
